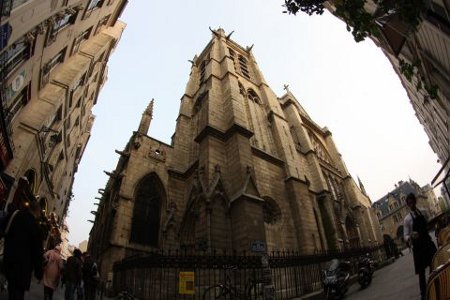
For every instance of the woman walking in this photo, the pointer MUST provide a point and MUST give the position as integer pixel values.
(52, 271)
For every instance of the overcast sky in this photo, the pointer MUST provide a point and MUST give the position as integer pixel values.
(349, 87)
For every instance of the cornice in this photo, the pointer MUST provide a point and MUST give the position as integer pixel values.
(183, 175)
(223, 136)
(267, 157)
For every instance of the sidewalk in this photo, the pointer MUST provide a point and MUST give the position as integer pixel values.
(37, 293)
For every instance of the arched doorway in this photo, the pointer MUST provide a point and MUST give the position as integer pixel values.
(352, 232)
(148, 199)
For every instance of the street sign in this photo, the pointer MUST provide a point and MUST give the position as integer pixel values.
(186, 284)
(258, 246)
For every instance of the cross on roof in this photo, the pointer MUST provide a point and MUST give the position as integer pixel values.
(286, 87)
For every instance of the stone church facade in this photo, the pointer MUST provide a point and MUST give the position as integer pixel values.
(244, 168)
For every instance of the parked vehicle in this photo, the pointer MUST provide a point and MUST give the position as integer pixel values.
(366, 267)
(125, 295)
(336, 279)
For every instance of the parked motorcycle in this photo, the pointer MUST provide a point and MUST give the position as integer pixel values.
(336, 279)
(366, 267)
(125, 295)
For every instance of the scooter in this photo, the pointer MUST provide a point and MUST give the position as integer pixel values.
(336, 279)
(366, 267)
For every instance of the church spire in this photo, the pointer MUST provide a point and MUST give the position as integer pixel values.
(362, 188)
(147, 117)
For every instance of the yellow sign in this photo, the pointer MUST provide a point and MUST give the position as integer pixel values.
(186, 284)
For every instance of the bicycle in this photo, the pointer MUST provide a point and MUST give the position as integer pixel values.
(252, 290)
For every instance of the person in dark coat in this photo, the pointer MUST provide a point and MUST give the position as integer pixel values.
(73, 275)
(416, 235)
(90, 277)
(23, 251)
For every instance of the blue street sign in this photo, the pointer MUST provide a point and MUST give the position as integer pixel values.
(258, 246)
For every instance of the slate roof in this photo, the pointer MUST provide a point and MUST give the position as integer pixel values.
(405, 186)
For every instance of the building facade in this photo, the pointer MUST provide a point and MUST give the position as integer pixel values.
(445, 202)
(53, 65)
(245, 169)
(420, 56)
(392, 209)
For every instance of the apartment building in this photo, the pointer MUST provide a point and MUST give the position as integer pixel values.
(53, 65)
(392, 209)
(420, 55)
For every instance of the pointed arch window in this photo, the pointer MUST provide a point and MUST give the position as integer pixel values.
(202, 71)
(253, 96)
(241, 89)
(271, 211)
(244, 66)
(320, 149)
(147, 211)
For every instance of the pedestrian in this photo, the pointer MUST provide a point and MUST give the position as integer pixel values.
(23, 250)
(416, 236)
(90, 276)
(54, 238)
(53, 266)
(73, 275)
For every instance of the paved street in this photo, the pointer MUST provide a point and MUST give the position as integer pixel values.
(37, 293)
(396, 281)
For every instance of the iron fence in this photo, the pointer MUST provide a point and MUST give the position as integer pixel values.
(208, 275)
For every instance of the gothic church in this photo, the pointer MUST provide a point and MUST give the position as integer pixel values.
(244, 167)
